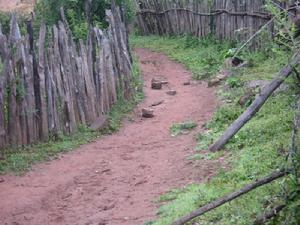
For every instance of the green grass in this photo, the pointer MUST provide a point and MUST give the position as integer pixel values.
(182, 128)
(21, 160)
(259, 148)
(202, 57)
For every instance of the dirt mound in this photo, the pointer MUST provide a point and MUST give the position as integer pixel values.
(115, 180)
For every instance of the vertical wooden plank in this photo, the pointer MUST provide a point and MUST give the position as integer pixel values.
(3, 77)
(66, 74)
(89, 84)
(42, 98)
(14, 127)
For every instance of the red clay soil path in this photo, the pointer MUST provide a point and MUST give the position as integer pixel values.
(115, 180)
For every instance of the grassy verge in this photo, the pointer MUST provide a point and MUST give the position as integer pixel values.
(21, 160)
(259, 148)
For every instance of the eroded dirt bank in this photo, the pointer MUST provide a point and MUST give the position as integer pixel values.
(115, 180)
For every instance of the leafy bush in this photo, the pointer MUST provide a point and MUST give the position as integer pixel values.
(75, 11)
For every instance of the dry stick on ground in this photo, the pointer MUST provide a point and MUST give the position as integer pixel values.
(230, 197)
(257, 104)
(269, 215)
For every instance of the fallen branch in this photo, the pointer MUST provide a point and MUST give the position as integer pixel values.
(231, 196)
(269, 215)
(257, 104)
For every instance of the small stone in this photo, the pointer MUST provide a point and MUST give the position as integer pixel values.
(246, 97)
(1, 180)
(157, 103)
(147, 113)
(221, 77)
(100, 123)
(171, 92)
(187, 83)
(164, 82)
(214, 82)
(237, 61)
(156, 85)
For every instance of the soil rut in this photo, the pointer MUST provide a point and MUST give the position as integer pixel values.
(115, 180)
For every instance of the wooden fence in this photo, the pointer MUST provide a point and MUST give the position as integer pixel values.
(52, 85)
(226, 19)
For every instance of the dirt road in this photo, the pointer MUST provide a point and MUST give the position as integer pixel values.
(115, 180)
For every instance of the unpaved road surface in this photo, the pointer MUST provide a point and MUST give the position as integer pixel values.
(116, 179)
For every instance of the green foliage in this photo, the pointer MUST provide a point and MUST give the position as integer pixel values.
(284, 27)
(4, 21)
(75, 11)
(230, 53)
(202, 56)
(49, 12)
(234, 82)
(260, 147)
(182, 128)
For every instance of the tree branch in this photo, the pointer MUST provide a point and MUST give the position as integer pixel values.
(231, 196)
(269, 215)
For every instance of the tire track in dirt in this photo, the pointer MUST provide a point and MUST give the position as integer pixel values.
(115, 180)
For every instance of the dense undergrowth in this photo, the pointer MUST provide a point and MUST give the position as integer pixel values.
(21, 160)
(258, 149)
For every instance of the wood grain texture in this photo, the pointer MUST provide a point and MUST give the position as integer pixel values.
(53, 84)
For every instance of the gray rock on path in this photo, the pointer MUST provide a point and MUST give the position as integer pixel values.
(171, 92)
(147, 113)
(157, 103)
(156, 85)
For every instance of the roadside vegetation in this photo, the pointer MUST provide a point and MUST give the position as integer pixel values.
(260, 147)
(182, 128)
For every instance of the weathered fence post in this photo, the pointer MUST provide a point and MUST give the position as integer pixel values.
(65, 85)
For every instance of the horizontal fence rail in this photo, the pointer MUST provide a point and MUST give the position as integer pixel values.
(53, 84)
(226, 19)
